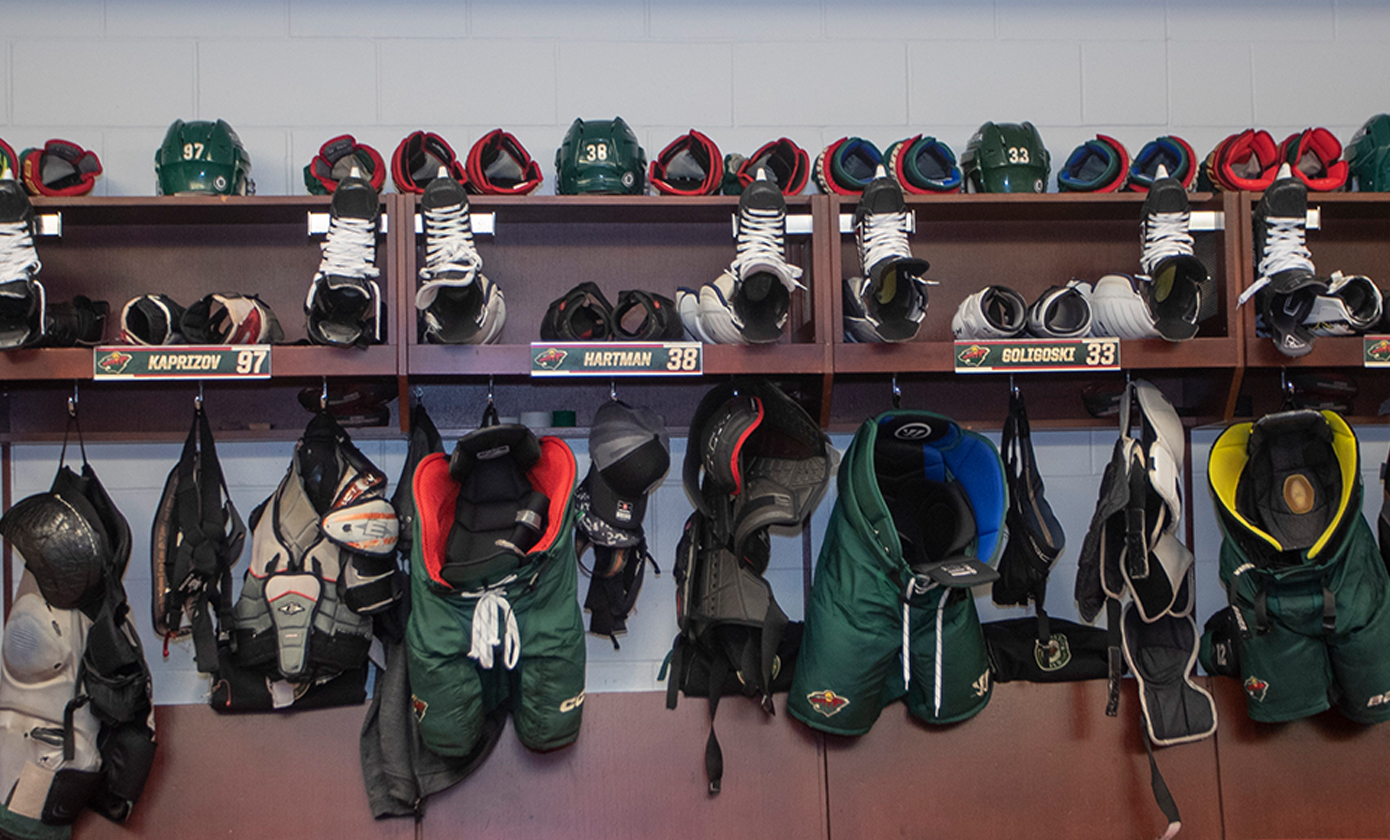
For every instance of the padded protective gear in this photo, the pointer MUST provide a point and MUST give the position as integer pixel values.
(1099, 165)
(646, 316)
(1352, 305)
(202, 157)
(151, 320)
(1035, 538)
(846, 166)
(1120, 308)
(344, 306)
(1006, 158)
(689, 165)
(1315, 157)
(581, 314)
(459, 304)
(1162, 655)
(600, 157)
(1368, 155)
(335, 161)
(1061, 312)
(231, 319)
(787, 165)
(992, 312)
(1171, 152)
(417, 160)
(1247, 160)
(1286, 284)
(923, 165)
(22, 297)
(891, 299)
(61, 167)
(499, 165)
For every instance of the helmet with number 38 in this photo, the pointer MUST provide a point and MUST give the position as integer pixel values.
(600, 156)
(1006, 158)
(202, 157)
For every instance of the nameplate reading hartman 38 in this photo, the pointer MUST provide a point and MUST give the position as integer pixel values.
(617, 358)
(242, 361)
(1037, 355)
(1375, 350)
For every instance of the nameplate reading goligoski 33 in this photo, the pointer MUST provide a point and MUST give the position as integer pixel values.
(1375, 350)
(1037, 355)
(617, 358)
(241, 361)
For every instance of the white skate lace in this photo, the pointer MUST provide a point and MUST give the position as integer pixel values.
(884, 235)
(760, 244)
(449, 245)
(1166, 235)
(1285, 249)
(349, 249)
(18, 259)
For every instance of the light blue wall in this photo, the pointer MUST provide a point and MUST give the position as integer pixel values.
(290, 74)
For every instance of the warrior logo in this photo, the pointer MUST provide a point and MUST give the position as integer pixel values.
(827, 702)
(114, 362)
(419, 706)
(1256, 688)
(913, 431)
(1055, 655)
(550, 358)
(981, 685)
(974, 355)
(1380, 351)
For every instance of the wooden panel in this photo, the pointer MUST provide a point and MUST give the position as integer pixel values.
(637, 771)
(253, 776)
(1323, 776)
(1041, 761)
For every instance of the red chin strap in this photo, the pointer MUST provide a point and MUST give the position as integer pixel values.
(699, 148)
(487, 152)
(424, 152)
(61, 167)
(333, 151)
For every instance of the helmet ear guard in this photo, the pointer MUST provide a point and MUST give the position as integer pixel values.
(499, 165)
(417, 159)
(335, 160)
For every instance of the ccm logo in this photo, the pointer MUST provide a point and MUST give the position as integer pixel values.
(573, 703)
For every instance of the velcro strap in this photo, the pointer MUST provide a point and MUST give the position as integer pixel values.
(368, 526)
(1329, 611)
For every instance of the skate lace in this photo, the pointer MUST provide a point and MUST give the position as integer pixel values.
(1166, 235)
(449, 245)
(18, 259)
(349, 248)
(761, 241)
(1284, 249)
(884, 235)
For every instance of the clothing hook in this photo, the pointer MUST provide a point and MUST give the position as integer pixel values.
(72, 401)
(613, 389)
(323, 395)
(897, 393)
(489, 390)
(1013, 389)
(198, 400)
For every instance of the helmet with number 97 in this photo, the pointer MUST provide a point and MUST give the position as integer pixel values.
(202, 157)
(1006, 158)
(600, 156)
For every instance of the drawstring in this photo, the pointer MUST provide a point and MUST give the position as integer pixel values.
(491, 613)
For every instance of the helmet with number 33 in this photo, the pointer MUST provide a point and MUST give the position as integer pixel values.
(202, 157)
(1006, 158)
(600, 156)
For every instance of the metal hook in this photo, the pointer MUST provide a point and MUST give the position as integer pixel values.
(489, 390)
(897, 393)
(198, 400)
(72, 401)
(613, 390)
(1013, 389)
(323, 395)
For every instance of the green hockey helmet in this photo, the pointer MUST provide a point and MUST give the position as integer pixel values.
(600, 156)
(202, 157)
(1368, 155)
(1006, 158)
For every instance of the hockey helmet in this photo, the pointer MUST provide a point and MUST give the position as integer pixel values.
(602, 157)
(202, 157)
(1368, 154)
(1006, 157)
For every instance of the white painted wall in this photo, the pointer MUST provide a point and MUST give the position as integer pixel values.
(292, 73)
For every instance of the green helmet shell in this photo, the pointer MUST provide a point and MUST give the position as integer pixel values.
(1368, 155)
(202, 157)
(600, 157)
(1006, 157)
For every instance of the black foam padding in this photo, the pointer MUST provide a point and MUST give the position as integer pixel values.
(1293, 445)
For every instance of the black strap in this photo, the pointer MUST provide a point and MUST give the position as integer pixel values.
(674, 671)
(714, 757)
(1261, 610)
(1114, 660)
(1162, 797)
(1329, 610)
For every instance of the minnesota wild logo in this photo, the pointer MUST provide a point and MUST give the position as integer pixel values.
(1053, 656)
(1380, 351)
(974, 355)
(551, 358)
(114, 362)
(827, 702)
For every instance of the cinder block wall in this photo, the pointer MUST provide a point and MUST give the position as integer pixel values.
(290, 74)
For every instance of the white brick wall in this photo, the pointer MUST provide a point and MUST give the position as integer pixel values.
(289, 74)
